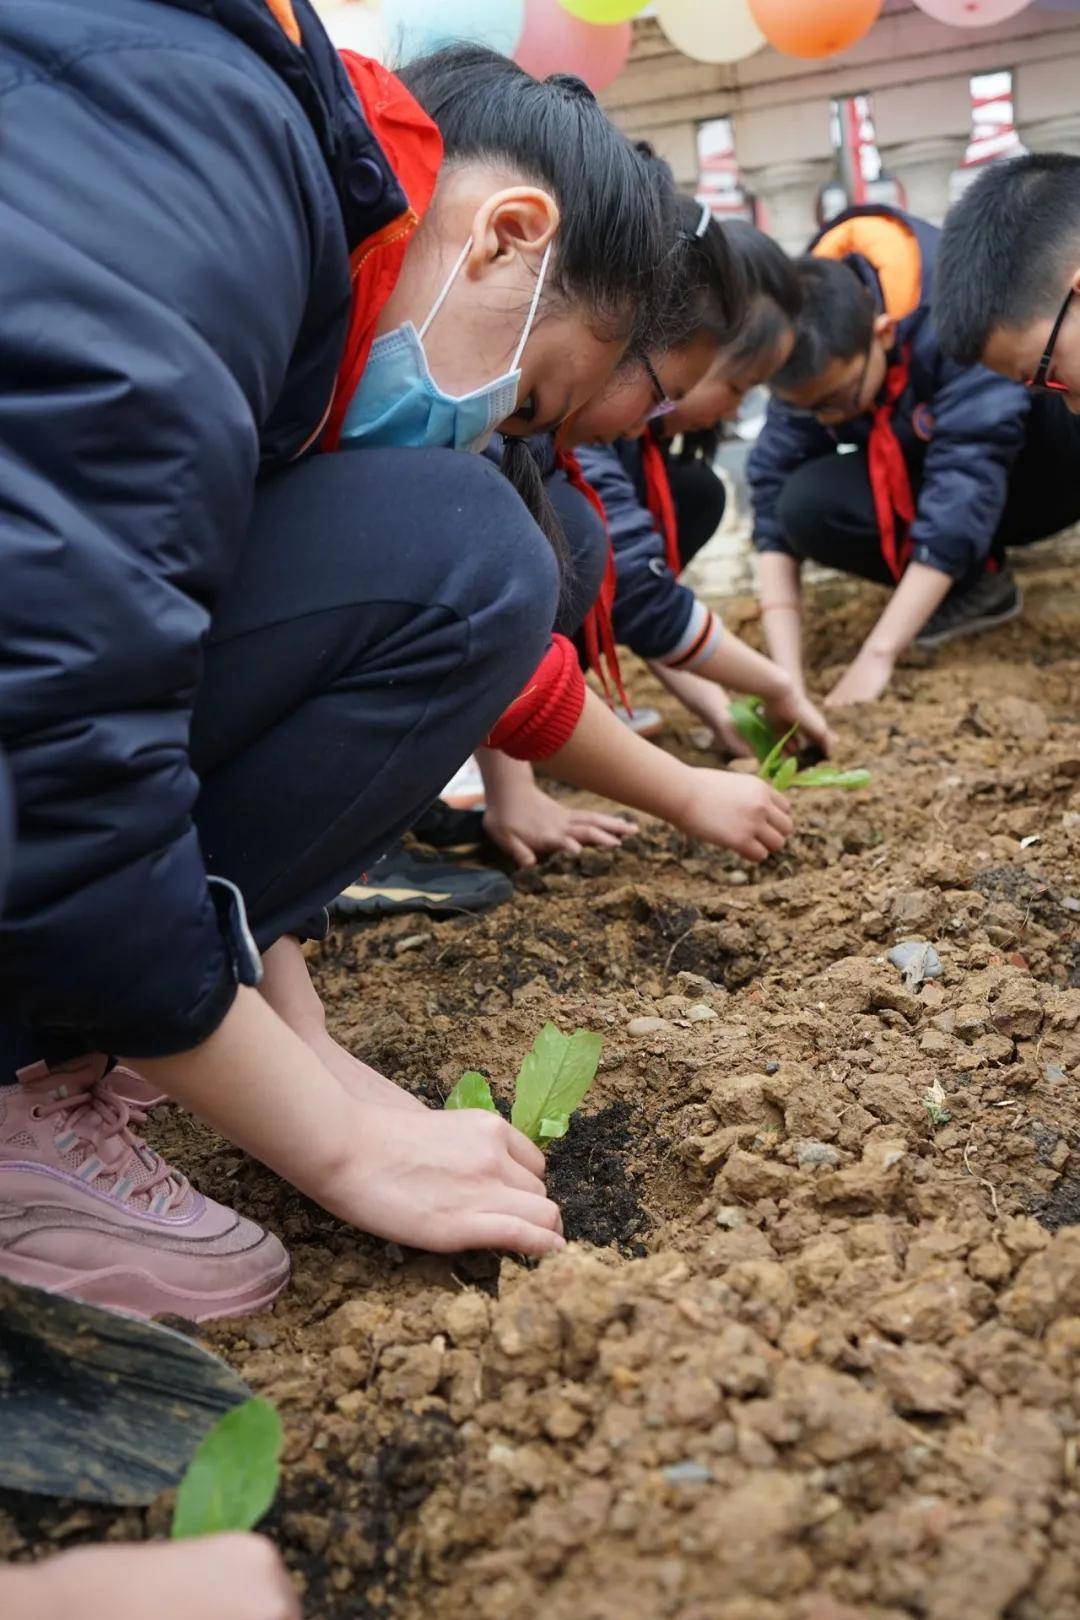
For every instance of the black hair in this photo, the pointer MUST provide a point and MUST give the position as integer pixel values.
(836, 321)
(774, 295)
(613, 245)
(1008, 250)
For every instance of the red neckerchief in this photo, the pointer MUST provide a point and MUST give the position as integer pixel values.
(658, 498)
(600, 648)
(889, 479)
(414, 149)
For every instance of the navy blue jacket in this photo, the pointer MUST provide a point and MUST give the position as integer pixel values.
(179, 190)
(653, 615)
(960, 427)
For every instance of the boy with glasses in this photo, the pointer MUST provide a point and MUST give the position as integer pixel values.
(1009, 272)
(946, 467)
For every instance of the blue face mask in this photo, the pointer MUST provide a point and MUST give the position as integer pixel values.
(398, 401)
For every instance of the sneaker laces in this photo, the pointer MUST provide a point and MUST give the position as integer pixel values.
(120, 1162)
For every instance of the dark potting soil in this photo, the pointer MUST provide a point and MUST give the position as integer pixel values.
(590, 1178)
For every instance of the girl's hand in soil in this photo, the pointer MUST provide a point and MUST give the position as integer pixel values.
(526, 822)
(430, 1179)
(742, 812)
(229, 1577)
(445, 1182)
(863, 681)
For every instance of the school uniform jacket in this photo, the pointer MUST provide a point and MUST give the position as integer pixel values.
(959, 427)
(175, 294)
(654, 615)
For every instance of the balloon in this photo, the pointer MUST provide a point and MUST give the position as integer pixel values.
(971, 13)
(354, 27)
(814, 27)
(719, 31)
(604, 12)
(555, 42)
(414, 27)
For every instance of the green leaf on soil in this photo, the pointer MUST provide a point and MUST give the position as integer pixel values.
(471, 1091)
(233, 1477)
(553, 1080)
(827, 776)
(752, 726)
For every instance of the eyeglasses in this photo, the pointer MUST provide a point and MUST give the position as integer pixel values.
(663, 406)
(1039, 382)
(848, 404)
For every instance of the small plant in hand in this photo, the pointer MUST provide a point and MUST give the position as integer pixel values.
(233, 1477)
(552, 1082)
(778, 767)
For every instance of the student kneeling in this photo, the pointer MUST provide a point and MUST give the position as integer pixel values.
(948, 464)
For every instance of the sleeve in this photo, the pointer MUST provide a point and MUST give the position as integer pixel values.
(542, 719)
(784, 443)
(654, 615)
(136, 369)
(980, 421)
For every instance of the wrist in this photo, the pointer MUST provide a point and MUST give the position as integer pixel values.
(878, 651)
(779, 687)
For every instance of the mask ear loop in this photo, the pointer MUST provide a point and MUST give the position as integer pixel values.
(446, 286)
(531, 316)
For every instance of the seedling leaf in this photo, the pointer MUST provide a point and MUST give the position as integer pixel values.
(552, 1081)
(771, 763)
(827, 776)
(752, 727)
(471, 1091)
(785, 773)
(233, 1477)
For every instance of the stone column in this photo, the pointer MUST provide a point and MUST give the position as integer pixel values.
(924, 169)
(1052, 134)
(788, 193)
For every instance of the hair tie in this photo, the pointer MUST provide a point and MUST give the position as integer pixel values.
(703, 222)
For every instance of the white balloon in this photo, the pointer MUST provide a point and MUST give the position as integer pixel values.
(710, 30)
(355, 27)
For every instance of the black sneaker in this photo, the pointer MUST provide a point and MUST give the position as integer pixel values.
(404, 880)
(443, 827)
(994, 599)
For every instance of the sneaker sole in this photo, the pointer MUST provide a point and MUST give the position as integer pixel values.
(369, 902)
(974, 627)
(127, 1288)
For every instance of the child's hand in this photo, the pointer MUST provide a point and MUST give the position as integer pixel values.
(228, 1577)
(525, 822)
(444, 1181)
(794, 708)
(742, 812)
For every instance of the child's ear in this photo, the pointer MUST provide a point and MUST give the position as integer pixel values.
(885, 330)
(521, 219)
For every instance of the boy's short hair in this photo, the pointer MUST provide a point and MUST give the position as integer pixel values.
(1008, 247)
(836, 321)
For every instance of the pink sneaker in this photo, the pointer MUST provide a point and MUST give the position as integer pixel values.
(133, 1089)
(88, 1209)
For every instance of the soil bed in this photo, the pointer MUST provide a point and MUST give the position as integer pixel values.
(821, 1359)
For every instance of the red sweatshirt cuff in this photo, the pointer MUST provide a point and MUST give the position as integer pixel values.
(542, 720)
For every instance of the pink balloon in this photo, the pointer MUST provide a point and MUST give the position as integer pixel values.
(553, 41)
(971, 13)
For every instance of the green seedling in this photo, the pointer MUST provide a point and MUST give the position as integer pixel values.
(552, 1082)
(778, 767)
(233, 1477)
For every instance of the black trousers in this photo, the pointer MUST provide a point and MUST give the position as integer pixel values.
(387, 607)
(700, 497)
(826, 508)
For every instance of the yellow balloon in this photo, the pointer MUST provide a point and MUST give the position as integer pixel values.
(605, 12)
(710, 30)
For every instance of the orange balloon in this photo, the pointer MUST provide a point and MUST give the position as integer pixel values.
(814, 27)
